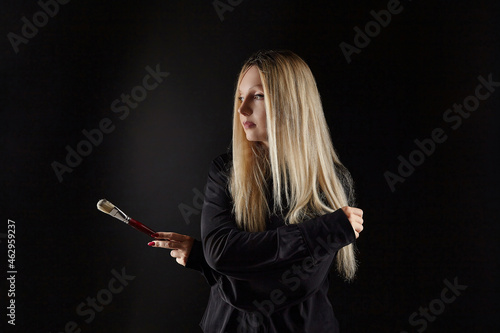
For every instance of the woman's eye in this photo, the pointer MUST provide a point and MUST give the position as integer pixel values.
(256, 96)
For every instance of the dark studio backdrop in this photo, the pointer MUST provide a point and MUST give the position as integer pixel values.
(425, 170)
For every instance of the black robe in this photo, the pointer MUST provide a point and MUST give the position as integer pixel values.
(270, 281)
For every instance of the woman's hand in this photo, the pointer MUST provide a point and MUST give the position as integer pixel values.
(179, 244)
(355, 216)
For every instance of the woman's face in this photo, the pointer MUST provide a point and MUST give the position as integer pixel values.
(252, 108)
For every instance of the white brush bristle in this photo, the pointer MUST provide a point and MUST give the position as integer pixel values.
(105, 206)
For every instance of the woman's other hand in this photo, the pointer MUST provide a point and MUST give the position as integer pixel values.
(179, 244)
(355, 216)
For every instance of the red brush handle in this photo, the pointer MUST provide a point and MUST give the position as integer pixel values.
(141, 227)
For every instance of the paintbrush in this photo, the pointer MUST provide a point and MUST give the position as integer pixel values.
(107, 207)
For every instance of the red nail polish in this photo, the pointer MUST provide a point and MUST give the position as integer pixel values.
(151, 243)
(155, 235)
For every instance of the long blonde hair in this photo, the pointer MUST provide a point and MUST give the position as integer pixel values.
(300, 160)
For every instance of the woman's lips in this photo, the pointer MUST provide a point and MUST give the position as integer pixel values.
(248, 124)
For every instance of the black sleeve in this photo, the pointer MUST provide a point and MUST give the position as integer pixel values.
(347, 183)
(196, 260)
(195, 257)
(233, 252)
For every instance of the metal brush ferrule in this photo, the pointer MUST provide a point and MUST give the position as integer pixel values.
(118, 214)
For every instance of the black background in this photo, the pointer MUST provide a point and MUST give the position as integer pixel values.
(440, 223)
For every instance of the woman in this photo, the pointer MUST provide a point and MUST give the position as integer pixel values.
(276, 212)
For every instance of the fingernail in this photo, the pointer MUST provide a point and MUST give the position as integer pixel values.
(151, 243)
(155, 235)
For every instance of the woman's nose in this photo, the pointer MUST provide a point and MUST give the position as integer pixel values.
(244, 109)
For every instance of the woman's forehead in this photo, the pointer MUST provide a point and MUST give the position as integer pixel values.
(251, 79)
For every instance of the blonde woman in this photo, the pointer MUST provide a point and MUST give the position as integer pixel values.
(276, 213)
